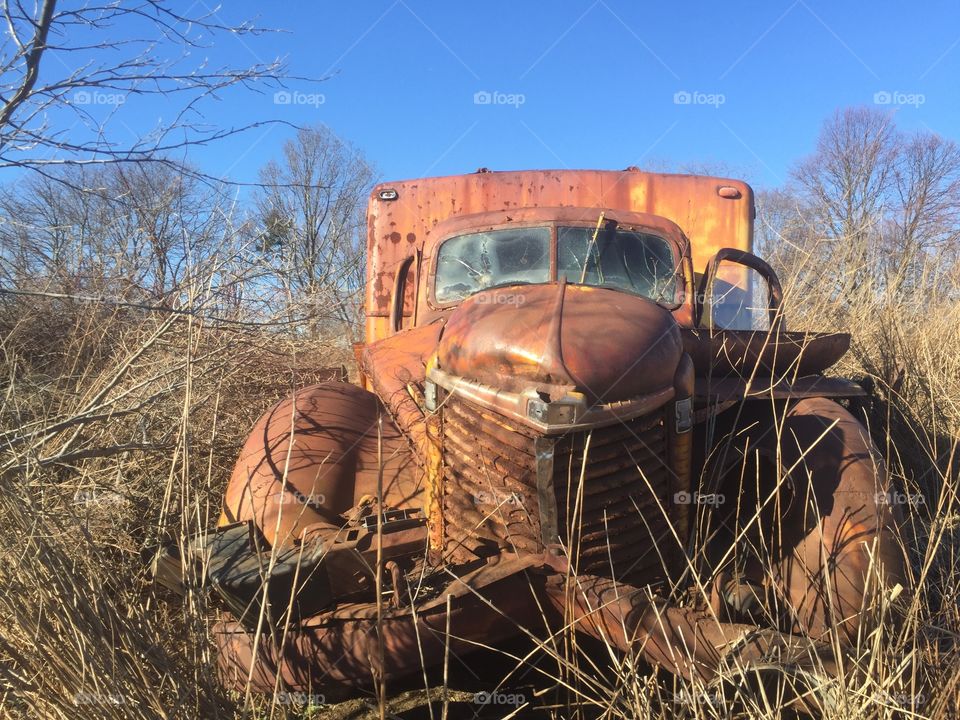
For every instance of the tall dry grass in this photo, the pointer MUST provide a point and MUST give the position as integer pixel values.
(120, 426)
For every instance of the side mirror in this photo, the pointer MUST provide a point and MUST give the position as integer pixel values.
(739, 291)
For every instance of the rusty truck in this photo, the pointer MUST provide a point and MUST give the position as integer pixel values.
(577, 405)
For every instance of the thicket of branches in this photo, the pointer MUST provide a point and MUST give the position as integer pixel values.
(130, 222)
(144, 326)
(156, 236)
(68, 68)
(869, 210)
(149, 312)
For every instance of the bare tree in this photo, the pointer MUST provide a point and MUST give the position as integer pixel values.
(128, 233)
(877, 201)
(783, 227)
(311, 214)
(844, 185)
(926, 212)
(66, 71)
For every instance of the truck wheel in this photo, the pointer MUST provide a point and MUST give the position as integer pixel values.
(807, 519)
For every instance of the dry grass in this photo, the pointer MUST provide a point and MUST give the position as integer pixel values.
(119, 430)
(120, 427)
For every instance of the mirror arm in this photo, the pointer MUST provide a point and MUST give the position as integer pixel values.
(741, 257)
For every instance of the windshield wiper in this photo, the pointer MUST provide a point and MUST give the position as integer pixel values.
(592, 247)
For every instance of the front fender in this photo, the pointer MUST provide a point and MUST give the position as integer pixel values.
(312, 456)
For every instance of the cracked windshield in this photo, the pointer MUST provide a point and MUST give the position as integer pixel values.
(639, 263)
(470, 263)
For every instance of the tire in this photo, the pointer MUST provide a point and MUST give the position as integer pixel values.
(808, 520)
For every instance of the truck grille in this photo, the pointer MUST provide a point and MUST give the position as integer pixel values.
(616, 527)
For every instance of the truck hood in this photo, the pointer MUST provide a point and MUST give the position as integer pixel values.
(607, 344)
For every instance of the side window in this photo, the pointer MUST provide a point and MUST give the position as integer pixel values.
(404, 295)
(409, 295)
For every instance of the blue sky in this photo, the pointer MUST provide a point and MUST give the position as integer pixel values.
(586, 83)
